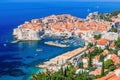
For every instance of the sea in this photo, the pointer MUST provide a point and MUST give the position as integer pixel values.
(18, 61)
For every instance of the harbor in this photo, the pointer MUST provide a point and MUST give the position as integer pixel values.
(70, 25)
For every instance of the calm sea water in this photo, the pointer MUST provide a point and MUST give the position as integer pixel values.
(17, 61)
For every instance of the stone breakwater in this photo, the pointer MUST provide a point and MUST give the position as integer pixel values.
(64, 26)
(56, 44)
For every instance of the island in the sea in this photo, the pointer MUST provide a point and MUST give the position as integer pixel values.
(100, 57)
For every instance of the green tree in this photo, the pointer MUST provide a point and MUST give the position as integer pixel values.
(114, 13)
(98, 36)
(102, 70)
(114, 29)
(117, 43)
(108, 63)
(80, 64)
(90, 60)
(90, 45)
(67, 74)
(111, 68)
(97, 51)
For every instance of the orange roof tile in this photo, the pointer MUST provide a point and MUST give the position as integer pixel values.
(110, 76)
(107, 77)
(105, 52)
(112, 45)
(96, 71)
(97, 57)
(115, 58)
(102, 41)
(85, 65)
(91, 50)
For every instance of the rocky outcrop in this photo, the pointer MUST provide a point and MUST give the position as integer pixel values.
(94, 16)
(26, 34)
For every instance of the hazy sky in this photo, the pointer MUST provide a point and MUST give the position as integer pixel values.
(54, 0)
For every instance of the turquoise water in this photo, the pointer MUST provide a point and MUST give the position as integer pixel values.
(17, 61)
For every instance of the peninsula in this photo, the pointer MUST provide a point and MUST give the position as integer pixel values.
(66, 26)
(99, 59)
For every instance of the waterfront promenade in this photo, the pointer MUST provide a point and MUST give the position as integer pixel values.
(56, 63)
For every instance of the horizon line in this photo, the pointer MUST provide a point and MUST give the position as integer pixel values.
(51, 1)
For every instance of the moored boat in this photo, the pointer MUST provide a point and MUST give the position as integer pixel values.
(38, 49)
(16, 41)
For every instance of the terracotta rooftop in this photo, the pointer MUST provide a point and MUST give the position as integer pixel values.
(105, 52)
(97, 57)
(96, 71)
(68, 22)
(110, 76)
(115, 58)
(112, 45)
(103, 41)
(91, 50)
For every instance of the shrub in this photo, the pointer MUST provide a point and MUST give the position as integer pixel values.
(96, 37)
(108, 63)
(114, 29)
(111, 68)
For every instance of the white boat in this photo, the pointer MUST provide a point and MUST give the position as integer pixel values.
(39, 49)
(5, 45)
(88, 10)
(16, 41)
(36, 54)
(66, 41)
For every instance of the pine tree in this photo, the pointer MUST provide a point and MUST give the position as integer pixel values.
(90, 60)
(65, 73)
(80, 64)
(102, 70)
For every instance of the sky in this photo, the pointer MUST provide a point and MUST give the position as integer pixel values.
(58, 0)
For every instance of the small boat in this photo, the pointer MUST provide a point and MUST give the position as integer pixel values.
(16, 41)
(39, 49)
(75, 44)
(4, 45)
(36, 54)
(88, 10)
(66, 41)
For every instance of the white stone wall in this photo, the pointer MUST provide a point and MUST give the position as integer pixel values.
(21, 34)
(110, 35)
